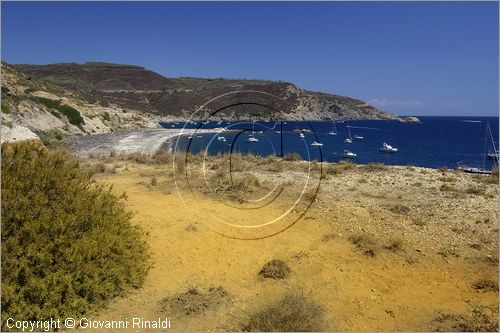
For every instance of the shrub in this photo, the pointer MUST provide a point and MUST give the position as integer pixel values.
(474, 190)
(400, 209)
(67, 242)
(106, 116)
(275, 269)
(193, 302)
(395, 244)
(448, 179)
(372, 167)
(5, 107)
(294, 312)
(74, 117)
(365, 243)
(486, 285)
(292, 157)
(448, 188)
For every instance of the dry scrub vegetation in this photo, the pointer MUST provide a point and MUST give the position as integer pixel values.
(67, 243)
(294, 312)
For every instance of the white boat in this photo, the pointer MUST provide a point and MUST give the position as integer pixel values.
(221, 138)
(472, 169)
(316, 143)
(349, 154)
(494, 155)
(358, 137)
(388, 148)
(349, 139)
(252, 138)
(334, 129)
(277, 132)
(301, 135)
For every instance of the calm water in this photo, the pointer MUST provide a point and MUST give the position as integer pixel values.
(436, 142)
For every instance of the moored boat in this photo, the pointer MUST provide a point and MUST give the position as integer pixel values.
(386, 148)
(349, 154)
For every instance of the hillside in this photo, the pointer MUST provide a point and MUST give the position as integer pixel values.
(137, 88)
(59, 101)
(33, 108)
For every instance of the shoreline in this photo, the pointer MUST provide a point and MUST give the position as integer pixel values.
(147, 141)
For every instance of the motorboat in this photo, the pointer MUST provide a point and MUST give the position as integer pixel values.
(358, 137)
(221, 138)
(301, 135)
(252, 139)
(349, 154)
(316, 143)
(386, 148)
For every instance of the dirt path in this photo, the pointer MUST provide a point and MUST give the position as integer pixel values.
(391, 291)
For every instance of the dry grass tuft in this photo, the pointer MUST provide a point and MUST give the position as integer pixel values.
(193, 302)
(374, 167)
(294, 312)
(395, 244)
(275, 269)
(365, 243)
(485, 285)
(291, 157)
(400, 209)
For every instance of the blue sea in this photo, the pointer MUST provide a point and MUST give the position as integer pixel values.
(435, 142)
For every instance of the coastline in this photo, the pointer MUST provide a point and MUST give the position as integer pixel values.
(146, 141)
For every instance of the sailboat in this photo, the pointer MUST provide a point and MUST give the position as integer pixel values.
(334, 129)
(493, 155)
(349, 139)
(252, 138)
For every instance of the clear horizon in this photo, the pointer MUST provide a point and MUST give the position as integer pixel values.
(418, 59)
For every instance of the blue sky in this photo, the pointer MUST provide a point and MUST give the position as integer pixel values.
(408, 58)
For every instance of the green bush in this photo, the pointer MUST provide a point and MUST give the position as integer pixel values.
(5, 107)
(67, 242)
(106, 116)
(74, 117)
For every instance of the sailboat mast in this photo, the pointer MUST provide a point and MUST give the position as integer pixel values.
(485, 152)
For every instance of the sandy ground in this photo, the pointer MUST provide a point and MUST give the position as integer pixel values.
(447, 241)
